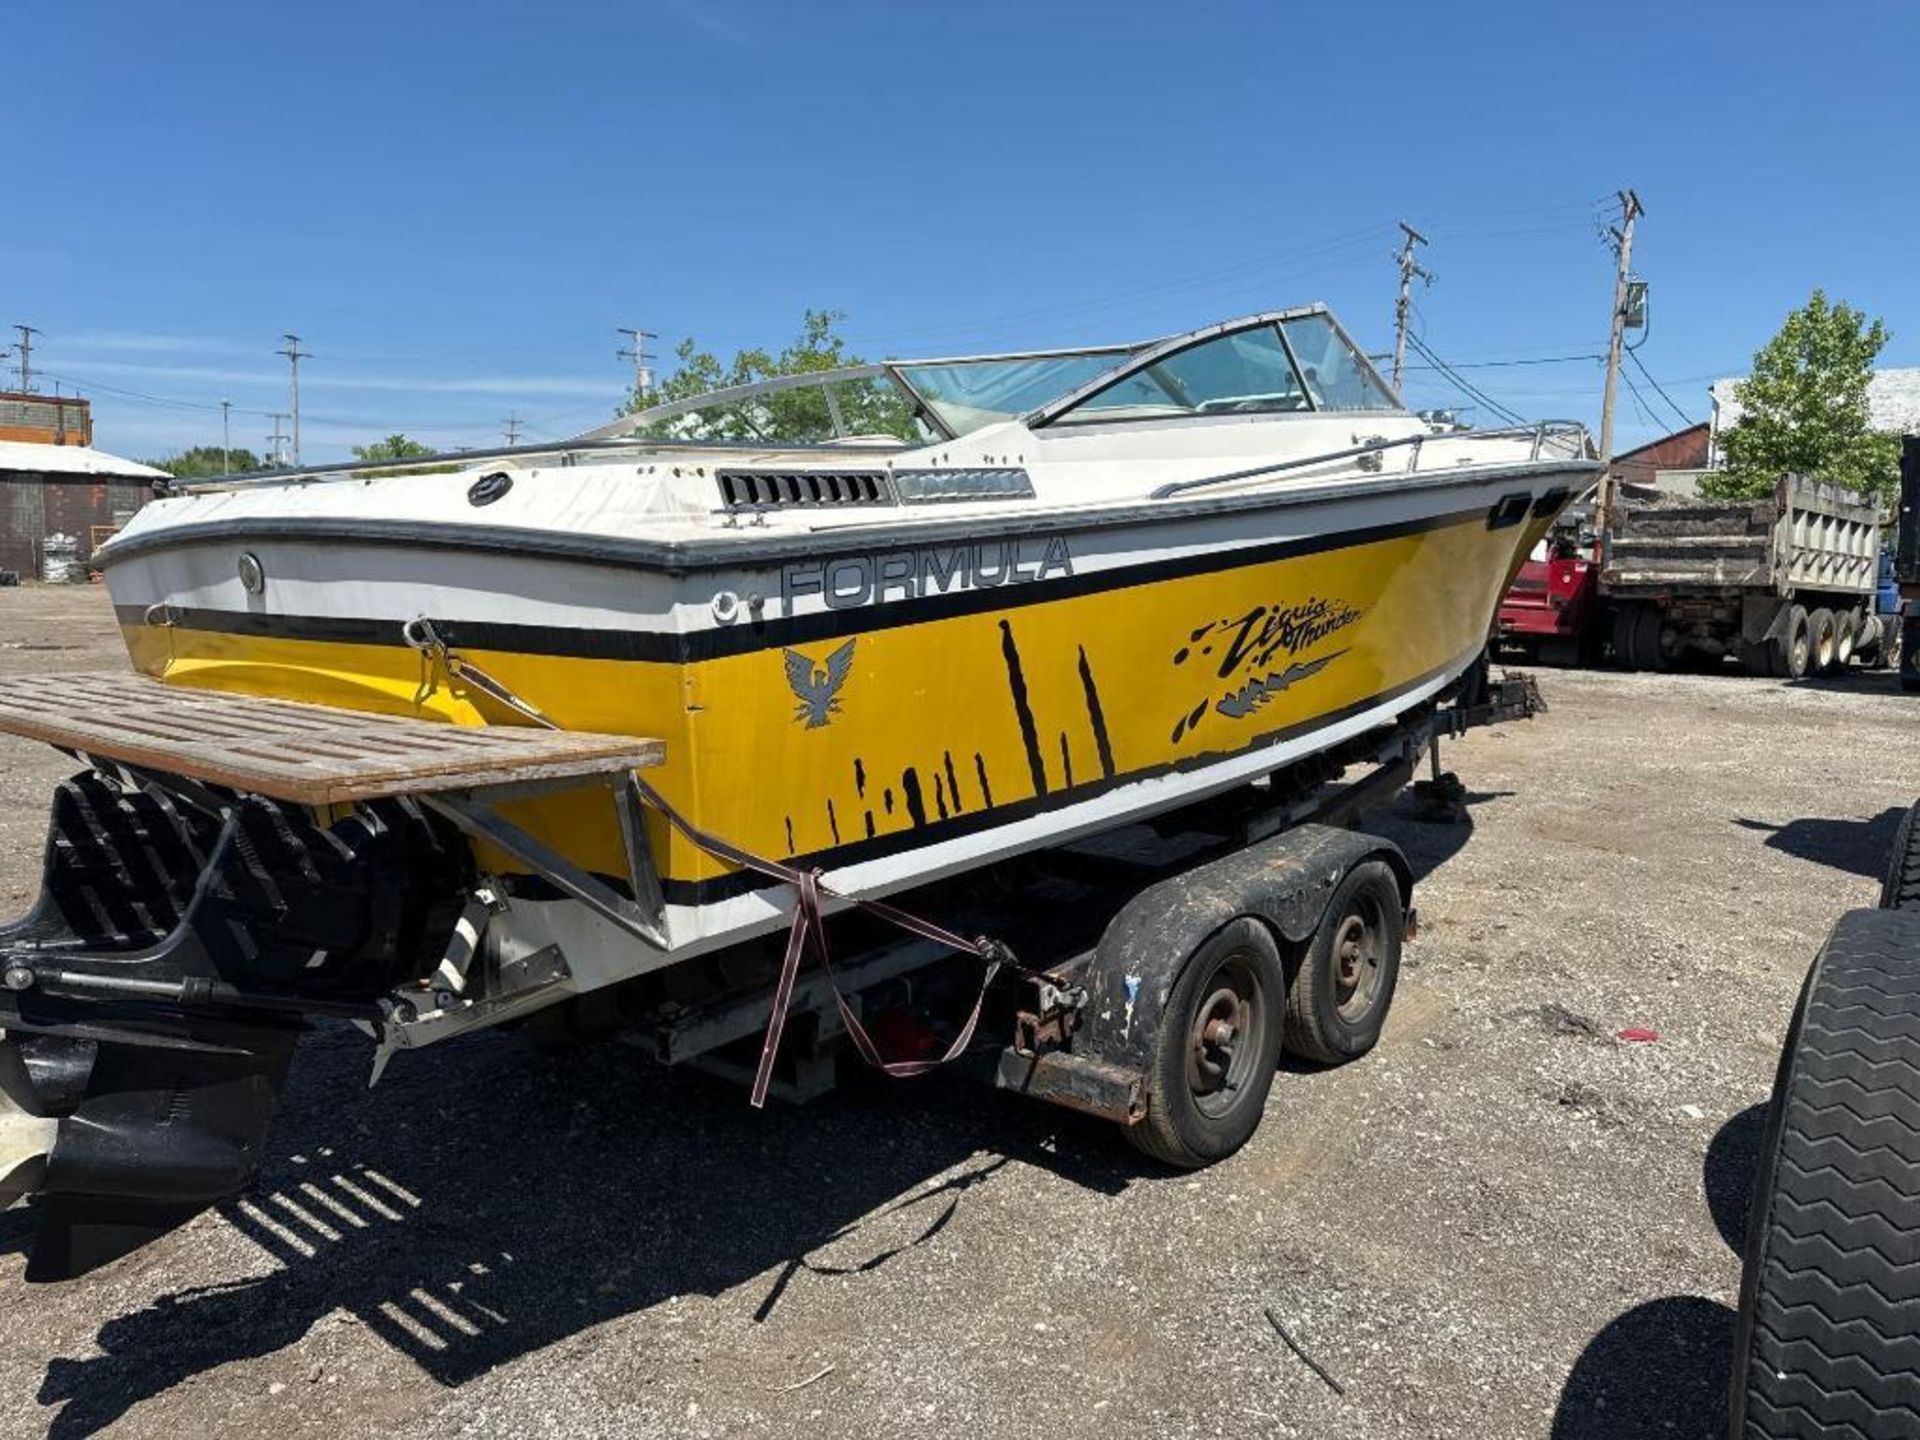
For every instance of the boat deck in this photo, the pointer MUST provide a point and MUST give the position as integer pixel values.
(304, 754)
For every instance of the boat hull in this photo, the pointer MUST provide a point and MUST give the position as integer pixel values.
(887, 709)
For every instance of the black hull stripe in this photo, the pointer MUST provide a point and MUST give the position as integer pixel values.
(741, 882)
(666, 647)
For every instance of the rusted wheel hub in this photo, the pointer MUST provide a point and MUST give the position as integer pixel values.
(1356, 964)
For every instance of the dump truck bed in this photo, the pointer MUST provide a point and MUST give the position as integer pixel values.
(1806, 536)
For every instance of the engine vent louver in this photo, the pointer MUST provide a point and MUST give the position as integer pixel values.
(770, 489)
(756, 489)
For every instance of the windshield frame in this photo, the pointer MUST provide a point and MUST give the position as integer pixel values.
(1152, 355)
(928, 407)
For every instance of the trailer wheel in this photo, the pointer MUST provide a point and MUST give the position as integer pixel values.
(1217, 1047)
(1901, 888)
(1792, 645)
(1346, 978)
(1846, 632)
(1828, 1289)
(1822, 634)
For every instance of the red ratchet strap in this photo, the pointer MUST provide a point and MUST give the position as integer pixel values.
(809, 930)
(809, 933)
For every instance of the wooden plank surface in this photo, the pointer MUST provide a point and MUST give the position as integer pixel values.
(307, 754)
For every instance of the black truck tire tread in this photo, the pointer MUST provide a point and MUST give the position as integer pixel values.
(1826, 1342)
(1901, 888)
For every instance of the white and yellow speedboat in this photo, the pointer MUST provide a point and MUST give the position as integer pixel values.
(888, 624)
(1104, 583)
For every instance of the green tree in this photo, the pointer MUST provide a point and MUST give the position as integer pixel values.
(1804, 409)
(799, 416)
(203, 462)
(394, 447)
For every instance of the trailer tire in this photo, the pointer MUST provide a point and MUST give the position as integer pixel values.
(1846, 632)
(1200, 1108)
(1821, 636)
(1900, 890)
(1623, 618)
(1792, 645)
(1344, 983)
(1828, 1286)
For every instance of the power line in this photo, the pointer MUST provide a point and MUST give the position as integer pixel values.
(1685, 419)
(1639, 402)
(1465, 386)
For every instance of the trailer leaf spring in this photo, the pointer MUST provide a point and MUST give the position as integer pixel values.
(808, 933)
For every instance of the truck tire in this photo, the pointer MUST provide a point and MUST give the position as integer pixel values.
(1792, 645)
(1900, 890)
(1344, 984)
(1646, 638)
(1822, 633)
(1206, 1094)
(1824, 1340)
(1846, 630)
(1623, 618)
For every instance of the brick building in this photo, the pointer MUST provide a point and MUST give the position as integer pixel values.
(64, 489)
(1683, 450)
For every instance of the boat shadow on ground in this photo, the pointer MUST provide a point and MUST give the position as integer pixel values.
(1664, 1367)
(495, 1206)
(1859, 847)
(1428, 844)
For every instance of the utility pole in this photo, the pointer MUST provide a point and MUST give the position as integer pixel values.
(1621, 238)
(277, 439)
(642, 375)
(25, 347)
(294, 355)
(512, 422)
(226, 437)
(1408, 269)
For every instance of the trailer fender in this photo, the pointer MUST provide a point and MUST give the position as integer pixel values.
(1285, 882)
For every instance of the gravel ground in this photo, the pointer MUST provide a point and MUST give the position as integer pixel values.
(1503, 1223)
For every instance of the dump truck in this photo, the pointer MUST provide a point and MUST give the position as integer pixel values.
(1785, 584)
(1906, 563)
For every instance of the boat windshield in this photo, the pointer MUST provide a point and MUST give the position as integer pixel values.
(968, 394)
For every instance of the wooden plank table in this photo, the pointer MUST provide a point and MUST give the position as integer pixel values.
(305, 754)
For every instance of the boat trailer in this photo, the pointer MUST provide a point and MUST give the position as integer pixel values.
(228, 870)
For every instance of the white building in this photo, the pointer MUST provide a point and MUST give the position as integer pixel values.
(1893, 405)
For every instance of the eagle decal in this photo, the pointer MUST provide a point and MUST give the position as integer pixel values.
(817, 687)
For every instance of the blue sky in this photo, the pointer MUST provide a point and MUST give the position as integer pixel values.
(456, 204)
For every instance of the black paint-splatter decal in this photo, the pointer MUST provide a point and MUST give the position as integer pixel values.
(1187, 722)
(953, 783)
(886, 798)
(980, 769)
(939, 795)
(1097, 714)
(910, 788)
(1017, 686)
(870, 831)
(1066, 760)
(833, 822)
(789, 835)
(859, 778)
